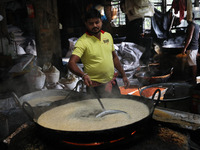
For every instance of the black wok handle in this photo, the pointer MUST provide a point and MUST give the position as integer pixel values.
(158, 99)
(16, 99)
(75, 89)
(30, 113)
(77, 84)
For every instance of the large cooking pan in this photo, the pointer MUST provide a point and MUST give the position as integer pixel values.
(172, 48)
(99, 136)
(170, 91)
(151, 77)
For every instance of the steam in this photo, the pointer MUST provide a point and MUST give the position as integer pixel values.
(175, 41)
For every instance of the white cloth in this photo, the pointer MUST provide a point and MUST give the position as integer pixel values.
(192, 57)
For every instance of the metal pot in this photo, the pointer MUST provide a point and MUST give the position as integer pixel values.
(172, 48)
(97, 137)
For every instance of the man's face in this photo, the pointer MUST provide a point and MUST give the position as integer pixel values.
(93, 25)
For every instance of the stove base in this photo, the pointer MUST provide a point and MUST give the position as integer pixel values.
(154, 137)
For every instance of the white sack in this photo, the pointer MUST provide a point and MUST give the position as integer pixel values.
(72, 42)
(36, 78)
(129, 55)
(52, 73)
(31, 49)
(21, 65)
(20, 50)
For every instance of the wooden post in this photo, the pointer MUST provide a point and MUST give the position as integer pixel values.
(48, 41)
(3, 23)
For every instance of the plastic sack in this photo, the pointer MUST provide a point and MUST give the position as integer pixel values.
(19, 40)
(72, 42)
(129, 55)
(31, 48)
(7, 104)
(24, 61)
(51, 72)
(20, 50)
(36, 78)
(1, 17)
(55, 86)
(12, 28)
(69, 81)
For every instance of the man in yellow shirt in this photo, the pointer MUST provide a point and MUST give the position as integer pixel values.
(96, 51)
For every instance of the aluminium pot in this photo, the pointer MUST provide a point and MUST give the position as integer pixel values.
(97, 136)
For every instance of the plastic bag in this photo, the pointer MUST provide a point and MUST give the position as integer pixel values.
(36, 78)
(7, 104)
(70, 81)
(24, 61)
(20, 50)
(72, 42)
(31, 48)
(129, 55)
(51, 72)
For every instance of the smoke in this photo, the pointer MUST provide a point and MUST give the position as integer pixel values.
(175, 41)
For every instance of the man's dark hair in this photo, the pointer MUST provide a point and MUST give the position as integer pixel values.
(92, 13)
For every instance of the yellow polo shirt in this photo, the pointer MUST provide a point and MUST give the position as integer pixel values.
(96, 56)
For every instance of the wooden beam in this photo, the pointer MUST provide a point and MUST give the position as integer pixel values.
(5, 1)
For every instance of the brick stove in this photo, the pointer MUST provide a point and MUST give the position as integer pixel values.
(168, 130)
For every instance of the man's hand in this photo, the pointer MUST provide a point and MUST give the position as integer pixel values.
(126, 82)
(184, 51)
(87, 80)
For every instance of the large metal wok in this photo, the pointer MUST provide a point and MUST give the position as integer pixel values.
(85, 137)
(151, 77)
(172, 48)
(171, 91)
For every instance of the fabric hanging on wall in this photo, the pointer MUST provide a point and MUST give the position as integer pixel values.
(179, 5)
(135, 9)
(161, 23)
(189, 10)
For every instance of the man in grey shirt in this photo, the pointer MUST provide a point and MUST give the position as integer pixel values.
(191, 47)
